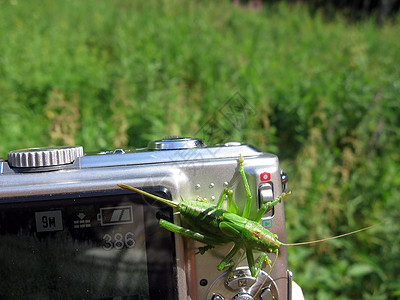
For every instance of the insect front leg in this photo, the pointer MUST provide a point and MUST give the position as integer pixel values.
(267, 205)
(263, 258)
(228, 195)
(255, 269)
(264, 208)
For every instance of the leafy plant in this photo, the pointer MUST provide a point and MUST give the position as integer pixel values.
(324, 93)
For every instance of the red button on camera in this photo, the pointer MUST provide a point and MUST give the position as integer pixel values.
(265, 176)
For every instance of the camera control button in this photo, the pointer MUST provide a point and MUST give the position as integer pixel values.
(230, 144)
(239, 281)
(243, 297)
(175, 143)
(266, 193)
(44, 157)
(118, 151)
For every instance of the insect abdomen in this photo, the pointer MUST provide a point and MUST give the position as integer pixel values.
(261, 238)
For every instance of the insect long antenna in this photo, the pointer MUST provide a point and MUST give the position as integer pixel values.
(330, 238)
(165, 201)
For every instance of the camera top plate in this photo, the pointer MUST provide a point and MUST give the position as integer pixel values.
(166, 161)
(172, 149)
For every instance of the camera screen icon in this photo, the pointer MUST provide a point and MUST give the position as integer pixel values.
(115, 215)
(49, 221)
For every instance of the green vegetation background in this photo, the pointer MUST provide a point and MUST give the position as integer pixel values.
(108, 74)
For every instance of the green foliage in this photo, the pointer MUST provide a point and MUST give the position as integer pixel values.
(325, 96)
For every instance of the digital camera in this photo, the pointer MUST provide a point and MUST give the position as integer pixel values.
(67, 231)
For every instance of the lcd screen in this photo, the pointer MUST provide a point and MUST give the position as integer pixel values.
(106, 247)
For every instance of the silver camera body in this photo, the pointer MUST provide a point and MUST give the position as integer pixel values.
(67, 231)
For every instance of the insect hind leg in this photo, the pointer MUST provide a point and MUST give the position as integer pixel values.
(227, 261)
(203, 238)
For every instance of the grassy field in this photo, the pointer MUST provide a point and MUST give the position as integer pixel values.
(325, 96)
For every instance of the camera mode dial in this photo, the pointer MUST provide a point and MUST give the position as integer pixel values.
(44, 157)
(240, 285)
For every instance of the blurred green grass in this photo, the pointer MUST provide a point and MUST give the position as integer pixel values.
(118, 74)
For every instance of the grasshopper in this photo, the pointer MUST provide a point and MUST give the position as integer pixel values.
(212, 225)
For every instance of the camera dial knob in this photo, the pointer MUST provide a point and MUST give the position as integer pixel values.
(44, 157)
(175, 143)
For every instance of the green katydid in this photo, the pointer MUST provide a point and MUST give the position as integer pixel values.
(212, 225)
